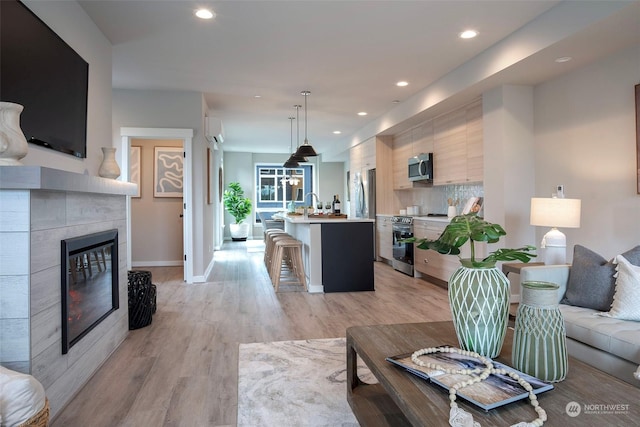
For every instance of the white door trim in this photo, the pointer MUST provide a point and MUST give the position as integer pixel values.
(186, 135)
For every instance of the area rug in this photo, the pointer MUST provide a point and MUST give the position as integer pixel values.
(295, 383)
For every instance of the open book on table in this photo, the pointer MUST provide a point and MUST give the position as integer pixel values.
(495, 391)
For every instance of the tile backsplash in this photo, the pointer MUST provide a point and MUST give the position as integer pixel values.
(434, 199)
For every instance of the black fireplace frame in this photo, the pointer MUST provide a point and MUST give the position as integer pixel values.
(75, 245)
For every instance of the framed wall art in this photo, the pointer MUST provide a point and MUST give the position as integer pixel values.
(135, 166)
(168, 173)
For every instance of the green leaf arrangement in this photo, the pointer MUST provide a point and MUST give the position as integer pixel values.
(235, 203)
(472, 228)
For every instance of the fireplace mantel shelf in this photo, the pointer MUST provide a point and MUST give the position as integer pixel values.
(42, 178)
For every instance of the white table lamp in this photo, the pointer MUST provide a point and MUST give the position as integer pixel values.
(555, 212)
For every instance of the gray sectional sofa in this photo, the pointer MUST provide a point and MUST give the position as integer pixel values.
(609, 344)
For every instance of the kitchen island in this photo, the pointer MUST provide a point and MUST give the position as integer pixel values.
(338, 253)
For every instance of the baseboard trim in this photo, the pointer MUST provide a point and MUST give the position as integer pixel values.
(178, 263)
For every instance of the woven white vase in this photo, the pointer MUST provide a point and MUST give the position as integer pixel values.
(479, 300)
(539, 339)
(13, 144)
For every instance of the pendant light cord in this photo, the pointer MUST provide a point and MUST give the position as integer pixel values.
(306, 94)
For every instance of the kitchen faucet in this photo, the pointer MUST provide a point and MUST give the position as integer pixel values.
(304, 200)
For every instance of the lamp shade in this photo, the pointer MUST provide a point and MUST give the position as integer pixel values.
(291, 163)
(555, 212)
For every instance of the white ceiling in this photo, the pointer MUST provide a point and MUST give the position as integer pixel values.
(349, 54)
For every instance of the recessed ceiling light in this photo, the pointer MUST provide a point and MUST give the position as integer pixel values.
(257, 96)
(402, 84)
(468, 34)
(337, 132)
(396, 101)
(564, 59)
(362, 113)
(204, 14)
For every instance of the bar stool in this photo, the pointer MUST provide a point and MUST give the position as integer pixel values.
(268, 244)
(287, 256)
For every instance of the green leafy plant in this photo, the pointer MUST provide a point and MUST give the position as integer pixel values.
(235, 203)
(472, 228)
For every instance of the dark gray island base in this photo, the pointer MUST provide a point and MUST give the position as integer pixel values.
(347, 257)
(338, 253)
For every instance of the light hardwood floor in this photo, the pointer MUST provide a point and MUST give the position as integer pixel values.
(182, 369)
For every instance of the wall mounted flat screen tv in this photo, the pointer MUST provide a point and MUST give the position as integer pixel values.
(45, 75)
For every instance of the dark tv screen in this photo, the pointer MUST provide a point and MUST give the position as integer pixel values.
(47, 77)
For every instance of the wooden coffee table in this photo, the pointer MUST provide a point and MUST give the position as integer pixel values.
(402, 399)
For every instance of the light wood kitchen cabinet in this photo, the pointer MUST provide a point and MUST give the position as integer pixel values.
(384, 237)
(402, 150)
(431, 262)
(450, 148)
(458, 155)
(475, 156)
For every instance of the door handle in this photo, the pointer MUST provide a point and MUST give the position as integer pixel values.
(181, 215)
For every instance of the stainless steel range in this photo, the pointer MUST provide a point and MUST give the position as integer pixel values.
(402, 227)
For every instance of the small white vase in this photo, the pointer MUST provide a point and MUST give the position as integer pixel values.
(13, 144)
(109, 167)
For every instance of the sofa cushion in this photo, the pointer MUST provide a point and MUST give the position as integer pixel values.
(591, 283)
(615, 336)
(626, 300)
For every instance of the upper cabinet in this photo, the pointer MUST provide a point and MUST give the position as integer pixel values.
(402, 150)
(475, 157)
(454, 138)
(457, 153)
(417, 140)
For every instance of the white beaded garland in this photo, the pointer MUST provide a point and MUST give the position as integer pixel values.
(482, 374)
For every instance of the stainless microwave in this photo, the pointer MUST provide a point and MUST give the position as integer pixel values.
(421, 167)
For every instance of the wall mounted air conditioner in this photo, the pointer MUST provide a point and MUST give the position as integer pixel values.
(213, 130)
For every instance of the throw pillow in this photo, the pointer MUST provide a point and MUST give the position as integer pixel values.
(626, 300)
(591, 283)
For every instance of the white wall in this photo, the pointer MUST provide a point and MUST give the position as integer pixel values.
(73, 25)
(585, 139)
(181, 110)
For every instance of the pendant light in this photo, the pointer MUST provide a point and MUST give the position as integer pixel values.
(292, 161)
(306, 150)
(295, 155)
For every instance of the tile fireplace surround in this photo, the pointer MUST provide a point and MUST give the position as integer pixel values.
(39, 207)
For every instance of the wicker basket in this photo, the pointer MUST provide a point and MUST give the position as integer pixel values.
(41, 419)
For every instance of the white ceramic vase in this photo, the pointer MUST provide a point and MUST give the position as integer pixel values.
(109, 167)
(13, 144)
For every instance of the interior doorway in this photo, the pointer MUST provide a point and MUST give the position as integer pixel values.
(159, 154)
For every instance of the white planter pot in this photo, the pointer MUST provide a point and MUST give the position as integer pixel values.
(239, 232)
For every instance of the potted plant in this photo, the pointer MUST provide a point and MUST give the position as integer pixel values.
(239, 207)
(478, 291)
